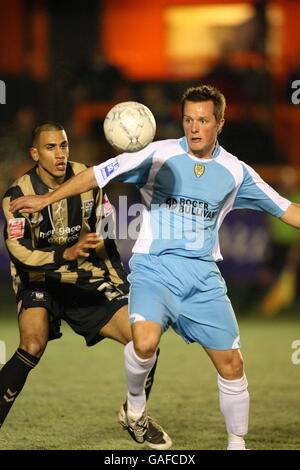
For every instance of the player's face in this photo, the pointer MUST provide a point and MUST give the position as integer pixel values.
(201, 127)
(51, 152)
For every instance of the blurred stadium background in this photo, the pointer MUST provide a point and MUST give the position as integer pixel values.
(72, 63)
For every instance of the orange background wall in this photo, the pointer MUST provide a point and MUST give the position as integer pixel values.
(18, 32)
(132, 34)
(12, 36)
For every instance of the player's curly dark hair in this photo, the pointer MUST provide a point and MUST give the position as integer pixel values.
(206, 93)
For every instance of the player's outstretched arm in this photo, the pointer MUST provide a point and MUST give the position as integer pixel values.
(292, 215)
(77, 184)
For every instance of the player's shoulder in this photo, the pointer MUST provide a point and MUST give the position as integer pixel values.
(77, 167)
(225, 155)
(229, 161)
(169, 146)
(19, 186)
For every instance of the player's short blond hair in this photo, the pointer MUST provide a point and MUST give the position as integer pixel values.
(206, 93)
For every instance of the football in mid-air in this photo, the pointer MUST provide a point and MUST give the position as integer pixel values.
(129, 126)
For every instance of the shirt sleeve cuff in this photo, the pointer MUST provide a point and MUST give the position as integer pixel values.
(58, 256)
(284, 207)
(98, 176)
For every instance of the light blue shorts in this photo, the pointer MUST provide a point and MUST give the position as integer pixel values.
(186, 293)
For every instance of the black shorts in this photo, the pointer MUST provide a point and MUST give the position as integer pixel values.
(84, 308)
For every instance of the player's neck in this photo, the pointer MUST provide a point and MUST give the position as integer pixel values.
(51, 181)
(206, 153)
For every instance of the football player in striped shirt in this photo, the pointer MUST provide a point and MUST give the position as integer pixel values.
(63, 269)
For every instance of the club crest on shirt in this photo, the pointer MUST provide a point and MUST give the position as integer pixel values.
(36, 219)
(37, 296)
(16, 228)
(87, 208)
(199, 169)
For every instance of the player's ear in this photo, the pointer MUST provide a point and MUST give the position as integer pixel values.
(220, 126)
(34, 154)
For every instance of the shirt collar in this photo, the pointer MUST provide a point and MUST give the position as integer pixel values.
(184, 146)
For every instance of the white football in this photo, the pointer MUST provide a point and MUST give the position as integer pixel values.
(129, 126)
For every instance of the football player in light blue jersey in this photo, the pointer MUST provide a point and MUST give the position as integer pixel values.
(188, 186)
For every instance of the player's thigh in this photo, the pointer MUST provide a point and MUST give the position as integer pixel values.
(211, 323)
(34, 329)
(118, 327)
(229, 363)
(95, 314)
(150, 299)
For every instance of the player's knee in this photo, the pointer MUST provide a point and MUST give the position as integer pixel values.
(34, 346)
(233, 369)
(145, 348)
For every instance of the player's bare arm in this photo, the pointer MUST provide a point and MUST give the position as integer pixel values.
(292, 215)
(80, 183)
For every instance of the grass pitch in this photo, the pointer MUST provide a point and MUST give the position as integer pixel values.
(71, 399)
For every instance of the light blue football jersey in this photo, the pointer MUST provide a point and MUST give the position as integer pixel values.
(186, 198)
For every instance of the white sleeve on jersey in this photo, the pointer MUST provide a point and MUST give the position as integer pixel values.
(255, 193)
(127, 167)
